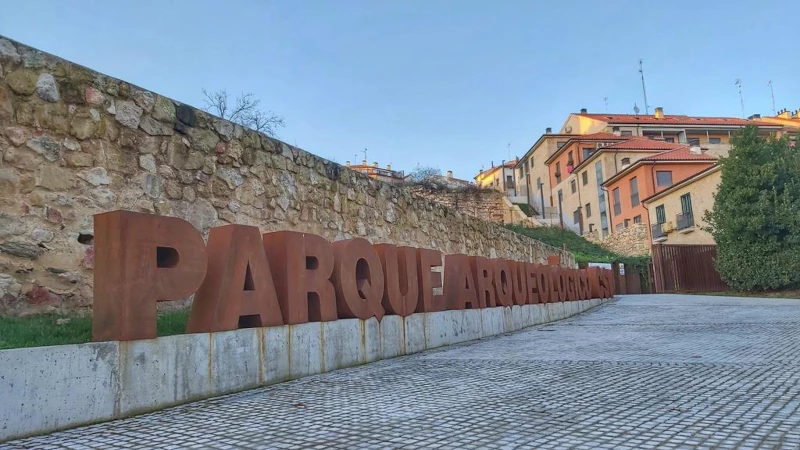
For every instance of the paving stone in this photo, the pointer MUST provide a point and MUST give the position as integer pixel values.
(640, 372)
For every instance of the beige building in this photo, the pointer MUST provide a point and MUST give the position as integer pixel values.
(500, 178)
(676, 214)
(533, 177)
(387, 175)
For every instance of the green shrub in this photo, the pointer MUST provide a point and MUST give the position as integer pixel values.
(755, 220)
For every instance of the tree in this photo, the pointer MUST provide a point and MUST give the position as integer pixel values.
(423, 174)
(756, 216)
(245, 111)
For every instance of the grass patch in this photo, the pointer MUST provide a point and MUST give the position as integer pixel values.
(44, 329)
(583, 250)
(526, 208)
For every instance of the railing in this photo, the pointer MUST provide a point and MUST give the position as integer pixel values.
(684, 221)
(657, 232)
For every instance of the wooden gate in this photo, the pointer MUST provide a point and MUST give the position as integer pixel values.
(686, 268)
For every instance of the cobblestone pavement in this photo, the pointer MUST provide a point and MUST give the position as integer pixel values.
(639, 372)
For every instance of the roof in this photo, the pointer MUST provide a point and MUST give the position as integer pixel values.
(674, 120)
(508, 165)
(586, 137)
(683, 183)
(682, 155)
(540, 140)
(645, 144)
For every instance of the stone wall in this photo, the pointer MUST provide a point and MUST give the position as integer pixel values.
(631, 241)
(484, 204)
(75, 143)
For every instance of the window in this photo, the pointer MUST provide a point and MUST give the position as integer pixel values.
(509, 180)
(560, 144)
(573, 186)
(694, 141)
(686, 204)
(627, 223)
(585, 177)
(617, 205)
(598, 171)
(661, 215)
(588, 210)
(626, 161)
(634, 192)
(619, 227)
(637, 219)
(714, 141)
(558, 172)
(570, 160)
(531, 163)
(666, 139)
(587, 152)
(577, 219)
(539, 183)
(664, 178)
(627, 133)
(591, 227)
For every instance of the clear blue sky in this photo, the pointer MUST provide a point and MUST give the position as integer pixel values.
(447, 83)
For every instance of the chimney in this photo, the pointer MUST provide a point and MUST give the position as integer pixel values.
(584, 111)
(492, 164)
(548, 130)
(449, 174)
(375, 165)
(659, 112)
(363, 162)
(388, 167)
(754, 116)
(347, 163)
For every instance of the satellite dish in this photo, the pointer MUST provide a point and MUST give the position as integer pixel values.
(635, 109)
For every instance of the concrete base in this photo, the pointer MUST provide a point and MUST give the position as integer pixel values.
(45, 389)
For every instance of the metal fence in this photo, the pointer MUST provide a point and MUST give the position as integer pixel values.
(686, 268)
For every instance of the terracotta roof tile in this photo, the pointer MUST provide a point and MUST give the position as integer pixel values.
(645, 144)
(675, 120)
(680, 154)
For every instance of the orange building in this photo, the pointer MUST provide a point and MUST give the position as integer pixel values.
(648, 176)
(386, 175)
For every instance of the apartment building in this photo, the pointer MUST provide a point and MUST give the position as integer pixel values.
(532, 174)
(712, 133)
(376, 172)
(676, 214)
(500, 178)
(647, 177)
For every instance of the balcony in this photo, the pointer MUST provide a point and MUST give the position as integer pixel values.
(684, 223)
(658, 233)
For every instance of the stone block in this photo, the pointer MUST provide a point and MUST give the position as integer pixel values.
(343, 343)
(415, 332)
(305, 349)
(87, 378)
(157, 373)
(235, 360)
(392, 330)
(276, 355)
(373, 348)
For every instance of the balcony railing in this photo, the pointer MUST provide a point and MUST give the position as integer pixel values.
(684, 221)
(658, 233)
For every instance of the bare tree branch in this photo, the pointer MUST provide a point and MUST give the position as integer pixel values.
(245, 112)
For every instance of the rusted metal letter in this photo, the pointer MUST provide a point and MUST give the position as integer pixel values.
(428, 280)
(301, 266)
(238, 291)
(358, 279)
(459, 285)
(141, 259)
(503, 282)
(401, 287)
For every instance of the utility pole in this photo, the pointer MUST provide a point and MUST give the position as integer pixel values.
(772, 92)
(738, 84)
(644, 89)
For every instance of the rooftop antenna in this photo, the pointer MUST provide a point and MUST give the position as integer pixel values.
(772, 92)
(509, 150)
(605, 99)
(644, 89)
(365, 154)
(636, 109)
(738, 84)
